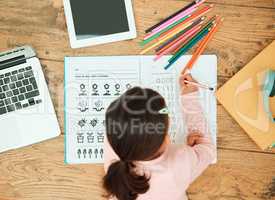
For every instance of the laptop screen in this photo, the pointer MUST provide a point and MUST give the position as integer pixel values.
(93, 18)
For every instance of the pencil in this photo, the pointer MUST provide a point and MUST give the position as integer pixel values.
(178, 35)
(160, 41)
(175, 50)
(179, 38)
(196, 15)
(210, 22)
(154, 36)
(177, 42)
(180, 26)
(176, 18)
(170, 17)
(149, 35)
(203, 45)
(174, 32)
(188, 46)
(205, 28)
(176, 24)
(199, 85)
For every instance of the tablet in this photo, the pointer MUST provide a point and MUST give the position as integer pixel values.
(92, 22)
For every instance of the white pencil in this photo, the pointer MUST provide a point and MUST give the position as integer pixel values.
(199, 85)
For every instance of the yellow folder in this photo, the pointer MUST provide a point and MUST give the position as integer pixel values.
(242, 97)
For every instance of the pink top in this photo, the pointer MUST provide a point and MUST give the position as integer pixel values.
(178, 166)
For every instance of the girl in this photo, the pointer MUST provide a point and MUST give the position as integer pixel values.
(140, 163)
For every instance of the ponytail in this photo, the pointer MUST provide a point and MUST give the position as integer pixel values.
(122, 182)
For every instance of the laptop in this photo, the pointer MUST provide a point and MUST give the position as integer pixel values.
(27, 115)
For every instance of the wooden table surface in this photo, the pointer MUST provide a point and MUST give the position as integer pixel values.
(38, 172)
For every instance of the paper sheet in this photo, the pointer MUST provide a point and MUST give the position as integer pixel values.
(92, 83)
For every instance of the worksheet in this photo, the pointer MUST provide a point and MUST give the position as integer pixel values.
(92, 83)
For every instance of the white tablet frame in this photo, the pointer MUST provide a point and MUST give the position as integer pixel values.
(100, 39)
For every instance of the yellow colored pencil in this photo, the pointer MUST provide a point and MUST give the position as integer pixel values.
(165, 38)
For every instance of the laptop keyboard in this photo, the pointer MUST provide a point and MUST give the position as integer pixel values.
(18, 90)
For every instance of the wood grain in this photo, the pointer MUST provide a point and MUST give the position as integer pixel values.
(43, 25)
(246, 3)
(39, 173)
(237, 176)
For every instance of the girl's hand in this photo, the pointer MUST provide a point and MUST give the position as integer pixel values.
(194, 139)
(186, 87)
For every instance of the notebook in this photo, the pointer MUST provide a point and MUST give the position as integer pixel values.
(92, 83)
(242, 97)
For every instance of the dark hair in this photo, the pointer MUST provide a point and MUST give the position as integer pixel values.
(133, 142)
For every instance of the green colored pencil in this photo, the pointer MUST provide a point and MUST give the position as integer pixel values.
(187, 47)
(205, 28)
(153, 37)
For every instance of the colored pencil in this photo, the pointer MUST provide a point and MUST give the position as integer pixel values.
(178, 29)
(175, 37)
(201, 32)
(160, 41)
(173, 22)
(208, 24)
(199, 85)
(188, 46)
(176, 18)
(204, 28)
(183, 20)
(194, 16)
(149, 35)
(177, 42)
(156, 35)
(168, 23)
(203, 45)
(170, 17)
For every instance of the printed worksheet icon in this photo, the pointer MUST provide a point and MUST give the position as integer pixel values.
(98, 106)
(83, 91)
(83, 106)
(82, 123)
(95, 89)
(107, 91)
(117, 88)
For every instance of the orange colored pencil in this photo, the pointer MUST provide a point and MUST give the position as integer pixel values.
(211, 20)
(203, 45)
(193, 17)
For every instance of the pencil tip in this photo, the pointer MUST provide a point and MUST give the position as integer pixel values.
(167, 66)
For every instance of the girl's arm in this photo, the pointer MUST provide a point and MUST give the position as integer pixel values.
(203, 151)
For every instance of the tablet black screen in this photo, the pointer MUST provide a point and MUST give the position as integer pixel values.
(94, 18)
